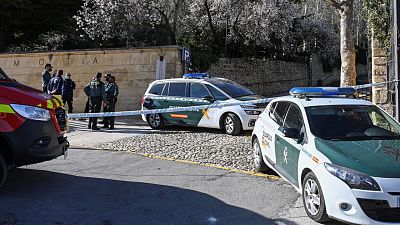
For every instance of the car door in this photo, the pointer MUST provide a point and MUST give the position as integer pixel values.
(204, 117)
(287, 150)
(177, 97)
(273, 121)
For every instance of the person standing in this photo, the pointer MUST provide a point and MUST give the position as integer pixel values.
(96, 92)
(68, 92)
(107, 77)
(111, 93)
(55, 84)
(116, 90)
(46, 76)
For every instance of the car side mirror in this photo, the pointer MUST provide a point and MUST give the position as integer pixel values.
(209, 98)
(291, 133)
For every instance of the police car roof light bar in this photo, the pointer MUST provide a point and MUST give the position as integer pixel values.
(322, 91)
(195, 75)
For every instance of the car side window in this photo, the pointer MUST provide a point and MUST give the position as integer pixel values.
(216, 93)
(294, 118)
(165, 91)
(198, 91)
(156, 89)
(177, 89)
(280, 111)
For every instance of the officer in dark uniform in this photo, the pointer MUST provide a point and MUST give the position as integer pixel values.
(111, 93)
(46, 76)
(96, 92)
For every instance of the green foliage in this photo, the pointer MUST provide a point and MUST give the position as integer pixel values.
(376, 12)
(39, 24)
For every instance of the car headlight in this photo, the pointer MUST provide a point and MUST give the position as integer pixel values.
(31, 112)
(354, 179)
(248, 106)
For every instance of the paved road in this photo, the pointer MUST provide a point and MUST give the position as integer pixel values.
(110, 188)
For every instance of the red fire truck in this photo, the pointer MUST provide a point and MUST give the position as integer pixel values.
(32, 126)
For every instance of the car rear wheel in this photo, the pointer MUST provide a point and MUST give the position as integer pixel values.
(313, 199)
(232, 124)
(259, 164)
(155, 121)
(3, 170)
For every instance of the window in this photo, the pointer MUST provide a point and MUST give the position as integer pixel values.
(177, 89)
(165, 91)
(157, 89)
(216, 94)
(231, 88)
(198, 91)
(351, 122)
(280, 112)
(294, 118)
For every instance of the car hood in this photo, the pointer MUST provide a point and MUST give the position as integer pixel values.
(22, 94)
(377, 158)
(253, 97)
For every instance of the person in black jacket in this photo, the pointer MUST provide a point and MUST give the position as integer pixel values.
(55, 84)
(68, 91)
(96, 92)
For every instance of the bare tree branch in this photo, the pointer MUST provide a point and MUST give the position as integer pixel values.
(334, 4)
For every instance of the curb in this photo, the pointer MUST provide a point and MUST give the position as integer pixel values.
(151, 156)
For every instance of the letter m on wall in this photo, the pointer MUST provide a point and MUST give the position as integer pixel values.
(16, 62)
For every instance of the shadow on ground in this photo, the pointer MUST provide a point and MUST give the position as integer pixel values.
(42, 197)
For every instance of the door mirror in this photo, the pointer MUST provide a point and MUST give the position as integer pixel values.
(209, 98)
(291, 133)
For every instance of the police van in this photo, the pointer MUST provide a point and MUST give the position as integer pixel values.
(197, 90)
(341, 153)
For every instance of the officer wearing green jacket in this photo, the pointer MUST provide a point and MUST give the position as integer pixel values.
(111, 93)
(96, 92)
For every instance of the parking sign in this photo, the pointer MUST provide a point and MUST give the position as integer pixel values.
(185, 55)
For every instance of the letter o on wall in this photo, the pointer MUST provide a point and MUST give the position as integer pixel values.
(41, 62)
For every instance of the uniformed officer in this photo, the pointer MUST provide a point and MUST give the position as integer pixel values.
(111, 93)
(46, 76)
(96, 92)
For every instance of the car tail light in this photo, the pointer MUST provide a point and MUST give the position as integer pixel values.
(142, 100)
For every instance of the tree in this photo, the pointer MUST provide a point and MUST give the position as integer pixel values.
(347, 48)
(26, 24)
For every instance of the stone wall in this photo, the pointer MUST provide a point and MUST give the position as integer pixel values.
(380, 95)
(265, 77)
(133, 68)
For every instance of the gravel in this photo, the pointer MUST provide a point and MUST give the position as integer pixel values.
(204, 146)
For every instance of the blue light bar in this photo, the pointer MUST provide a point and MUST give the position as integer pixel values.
(322, 91)
(195, 75)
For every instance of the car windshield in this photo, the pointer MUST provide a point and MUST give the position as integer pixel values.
(351, 122)
(3, 75)
(231, 88)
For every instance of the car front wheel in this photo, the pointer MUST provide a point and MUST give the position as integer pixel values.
(155, 121)
(313, 199)
(259, 164)
(232, 124)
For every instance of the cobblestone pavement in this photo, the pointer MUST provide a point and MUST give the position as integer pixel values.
(205, 146)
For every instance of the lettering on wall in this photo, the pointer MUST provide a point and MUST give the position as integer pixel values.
(95, 61)
(41, 62)
(16, 62)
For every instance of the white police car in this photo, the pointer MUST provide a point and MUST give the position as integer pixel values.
(201, 89)
(342, 154)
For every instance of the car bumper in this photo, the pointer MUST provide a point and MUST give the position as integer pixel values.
(365, 207)
(36, 141)
(248, 121)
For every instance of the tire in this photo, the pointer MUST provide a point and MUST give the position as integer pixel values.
(155, 121)
(259, 164)
(3, 170)
(313, 199)
(232, 124)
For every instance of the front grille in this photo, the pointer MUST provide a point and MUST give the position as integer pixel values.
(394, 193)
(61, 119)
(379, 210)
(261, 105)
